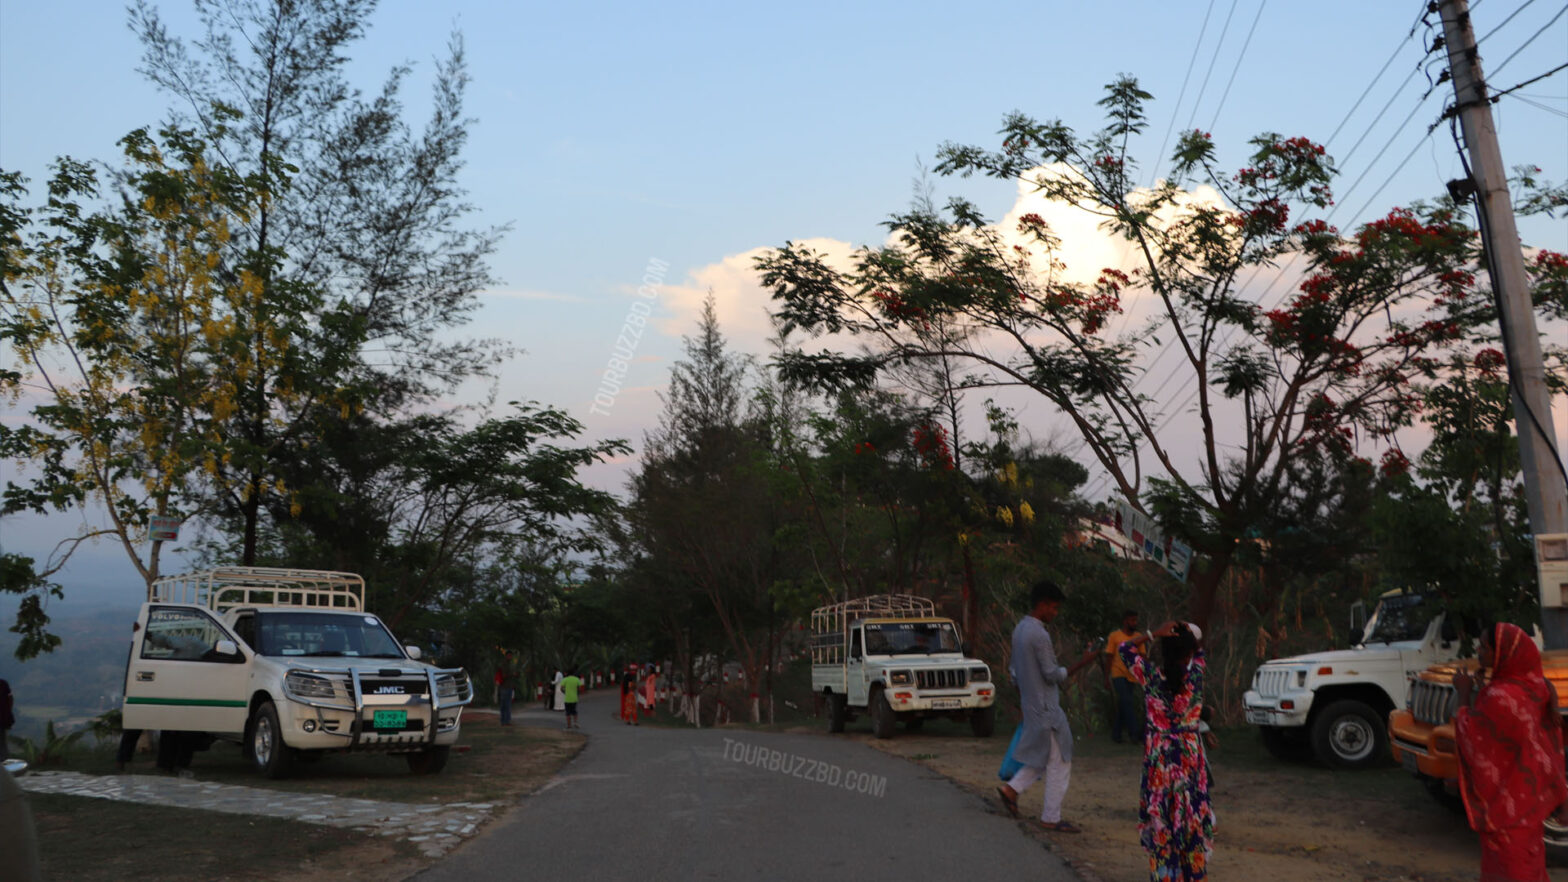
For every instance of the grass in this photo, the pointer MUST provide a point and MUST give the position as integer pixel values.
(99, 840)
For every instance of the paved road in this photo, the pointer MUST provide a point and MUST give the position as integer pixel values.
(654, 803)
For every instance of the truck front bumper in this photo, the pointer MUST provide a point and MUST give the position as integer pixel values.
(313, 727)
(1421, 748)
(907, 698)
(1287, 711)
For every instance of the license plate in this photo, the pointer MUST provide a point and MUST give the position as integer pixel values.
(943, 703)
(1409, 761)
(1258, 717)
(390, 719)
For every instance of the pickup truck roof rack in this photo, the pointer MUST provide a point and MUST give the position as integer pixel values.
(222, 588)
(830, 624)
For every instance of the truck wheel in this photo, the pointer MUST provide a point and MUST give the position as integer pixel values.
(1349, 735)
(883, 720)
(1285, 744)
(428, 762)
(272, 757)
(838, 712)
(982, 721)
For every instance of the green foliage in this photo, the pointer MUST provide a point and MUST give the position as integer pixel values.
(17, 576)
(48, 752)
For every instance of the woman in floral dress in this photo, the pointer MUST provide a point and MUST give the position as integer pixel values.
(1175, 819)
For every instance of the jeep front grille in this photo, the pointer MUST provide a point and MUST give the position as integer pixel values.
(1272, 682)
(1432, 703)
(942, 678)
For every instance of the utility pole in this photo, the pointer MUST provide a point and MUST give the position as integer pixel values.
(1545, 489)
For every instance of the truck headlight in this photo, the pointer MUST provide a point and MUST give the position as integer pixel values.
(451, 686)
(901, 678)
(980, 675)
(308, 685)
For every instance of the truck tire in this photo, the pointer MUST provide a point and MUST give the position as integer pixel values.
(1285, 744)
(883, 720)
(428, 762)
(982, 721)
(1348, 734)
(272, 757)
(838, 712)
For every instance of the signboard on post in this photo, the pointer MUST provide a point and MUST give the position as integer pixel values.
(1174, 556)
(164, 529)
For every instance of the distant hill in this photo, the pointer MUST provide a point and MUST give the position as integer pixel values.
(81, 679)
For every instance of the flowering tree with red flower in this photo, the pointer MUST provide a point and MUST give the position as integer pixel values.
(1330, 367)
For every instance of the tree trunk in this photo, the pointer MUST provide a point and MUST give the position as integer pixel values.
(1205, 586)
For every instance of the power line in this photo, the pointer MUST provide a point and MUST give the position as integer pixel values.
(1213, 58)
(1522, 8)
(1233, 71)
(1533, 37)
(1558, 69)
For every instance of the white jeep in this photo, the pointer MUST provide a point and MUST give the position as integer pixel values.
(1335, 704)
(288, 664)
(889, 655)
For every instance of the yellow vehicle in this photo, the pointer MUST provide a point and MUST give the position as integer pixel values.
(1422, 733)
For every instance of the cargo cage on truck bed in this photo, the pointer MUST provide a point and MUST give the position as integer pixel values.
(222, 588)
(830, 624)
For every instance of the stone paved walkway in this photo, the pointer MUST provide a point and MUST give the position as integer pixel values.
(434, 828)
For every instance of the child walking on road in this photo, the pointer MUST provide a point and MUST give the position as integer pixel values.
(1175, 819)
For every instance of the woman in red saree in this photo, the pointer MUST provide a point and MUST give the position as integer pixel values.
(629, 697)
(1510, 756)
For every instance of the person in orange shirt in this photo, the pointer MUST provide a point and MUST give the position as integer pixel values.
(1127, 715)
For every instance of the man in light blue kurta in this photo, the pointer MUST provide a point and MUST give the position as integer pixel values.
(1046, 746)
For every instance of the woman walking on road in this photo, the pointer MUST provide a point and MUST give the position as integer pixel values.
(1510, 755)
(1175, 819)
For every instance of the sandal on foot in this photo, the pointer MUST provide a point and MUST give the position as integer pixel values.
(1060, 827)
(1008, 802)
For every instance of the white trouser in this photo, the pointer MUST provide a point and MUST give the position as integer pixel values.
(1057, 772)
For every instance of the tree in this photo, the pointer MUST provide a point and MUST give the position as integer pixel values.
(137, 329)
(1330, 366)
(372, 217)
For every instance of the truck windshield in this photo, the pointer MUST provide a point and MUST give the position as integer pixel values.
(895, 638)
(1399, 618)
(324, 634)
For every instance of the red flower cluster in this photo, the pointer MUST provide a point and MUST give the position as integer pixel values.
(894, 306)
(1394, 463)
(1551, 261)
(1403, 222)
(931, 443)
(864, 447)
(1315, 227)
(1488, 361)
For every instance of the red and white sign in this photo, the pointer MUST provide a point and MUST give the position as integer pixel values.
(164, 529)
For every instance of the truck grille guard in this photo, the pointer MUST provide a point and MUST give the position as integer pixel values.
(1432, 703)
(942, 678)
(351, 683)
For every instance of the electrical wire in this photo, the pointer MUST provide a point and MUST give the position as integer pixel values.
(1533, 37)
(1501, 24)
(1237, 69)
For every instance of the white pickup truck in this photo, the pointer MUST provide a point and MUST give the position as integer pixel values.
(290, 665)
(891, 656)
(1335, 704)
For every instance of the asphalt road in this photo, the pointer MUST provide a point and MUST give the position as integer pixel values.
(649, 803)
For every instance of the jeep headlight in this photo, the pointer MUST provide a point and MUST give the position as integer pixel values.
(981, 674)
(901, 678)
(308, 685)
(452, 686)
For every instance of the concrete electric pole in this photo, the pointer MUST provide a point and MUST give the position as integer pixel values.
(1545, 487)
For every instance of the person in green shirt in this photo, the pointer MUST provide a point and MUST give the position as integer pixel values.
(569, 686)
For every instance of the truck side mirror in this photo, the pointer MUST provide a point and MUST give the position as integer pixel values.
(413, 652)
(227, 647)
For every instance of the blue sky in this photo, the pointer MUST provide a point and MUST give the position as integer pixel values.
(609, 135)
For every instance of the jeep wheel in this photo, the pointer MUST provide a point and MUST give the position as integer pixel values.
(272, 757)
(1349, 735)
(838, 712)
(1285, 744)
(883, 720)
(428, 762)
(982, 721)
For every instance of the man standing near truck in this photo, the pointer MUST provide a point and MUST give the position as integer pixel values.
(1046, 747)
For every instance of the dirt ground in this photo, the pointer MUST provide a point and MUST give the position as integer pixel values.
(1277, 821)
(95, 840)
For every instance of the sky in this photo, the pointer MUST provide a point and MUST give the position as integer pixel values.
(674, 142)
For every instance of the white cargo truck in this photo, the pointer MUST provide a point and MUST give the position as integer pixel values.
(290, 665)
(1335, 704)
(891, 656)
